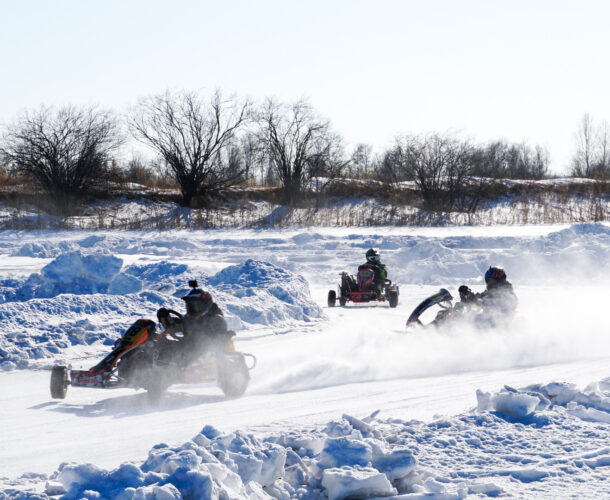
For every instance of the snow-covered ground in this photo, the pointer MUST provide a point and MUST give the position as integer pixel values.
(520, 411)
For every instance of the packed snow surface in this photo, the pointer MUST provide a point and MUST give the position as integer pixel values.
(519, 411)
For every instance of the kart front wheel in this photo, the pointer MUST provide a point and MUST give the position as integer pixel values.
(392, 298)
(155, 388)
(59, 382)
(332, 298)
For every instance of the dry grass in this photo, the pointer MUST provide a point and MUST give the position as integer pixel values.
(341, 204)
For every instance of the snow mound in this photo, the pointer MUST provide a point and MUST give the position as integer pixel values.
(263, 293)
(591, 404)
(239, 465)
(76, 273)
(161, 276)
(50, 249)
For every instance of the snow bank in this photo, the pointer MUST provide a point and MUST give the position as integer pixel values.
(515, 437)
(240, 465)
(591, 404)
(266, 294)
(562, 256)
(76, 273)
(534, 441)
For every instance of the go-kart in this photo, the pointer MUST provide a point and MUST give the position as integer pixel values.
(363, 289)
(469, 311)
(442, 298)
(137, 361)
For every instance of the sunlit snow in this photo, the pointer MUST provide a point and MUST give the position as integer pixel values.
(522, 410)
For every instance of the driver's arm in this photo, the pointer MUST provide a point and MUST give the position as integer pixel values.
(170, 323)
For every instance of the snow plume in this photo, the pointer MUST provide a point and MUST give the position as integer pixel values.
(550, 327)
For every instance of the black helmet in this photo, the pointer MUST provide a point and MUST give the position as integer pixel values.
(465, 293)
(494, 276)
(198, 302)
(372, 255)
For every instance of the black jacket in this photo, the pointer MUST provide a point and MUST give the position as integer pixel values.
(200, 334)
(500, 298)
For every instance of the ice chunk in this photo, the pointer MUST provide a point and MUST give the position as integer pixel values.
(356, 482)
(344, 451)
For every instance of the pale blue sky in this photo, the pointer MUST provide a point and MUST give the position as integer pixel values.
(522, 70)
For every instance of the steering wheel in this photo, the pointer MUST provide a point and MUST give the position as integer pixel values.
(171, 312)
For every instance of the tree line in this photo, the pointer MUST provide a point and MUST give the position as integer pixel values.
(203, 144)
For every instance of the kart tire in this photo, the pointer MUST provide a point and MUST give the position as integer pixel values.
(233, 375)
(342, 301)
(154, 390)
(59, 382)
(392, 299)
(332, 298)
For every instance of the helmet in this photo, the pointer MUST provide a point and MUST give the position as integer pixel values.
(198, 302)
(494, 276)
(372, 255)
(465, 293)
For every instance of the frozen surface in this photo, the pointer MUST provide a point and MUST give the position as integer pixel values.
(521, 411)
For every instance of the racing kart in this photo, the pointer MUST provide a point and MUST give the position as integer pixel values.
(448, 311)
(363, 289)
(137, 361)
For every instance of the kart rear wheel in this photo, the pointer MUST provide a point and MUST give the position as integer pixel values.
(332, 298)
(392, 298)
(59, 382)
(233, 375)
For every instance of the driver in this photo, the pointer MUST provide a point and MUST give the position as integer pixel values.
(373, 262)
(203, 327)
(498, 297)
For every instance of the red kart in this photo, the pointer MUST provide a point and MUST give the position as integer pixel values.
(363, 289)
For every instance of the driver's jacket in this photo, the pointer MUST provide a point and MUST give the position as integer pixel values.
(380, 270)
(499, 299)
(200, 333)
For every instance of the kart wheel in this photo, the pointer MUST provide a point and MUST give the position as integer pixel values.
(332, 298)
(342, 301)
(233, 376)
(392, 299)
(154, 390)
(59, 382)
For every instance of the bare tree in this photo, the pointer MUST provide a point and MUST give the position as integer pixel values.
(584, 157)
(440, 166)
(298, 146)
(67, 151)
(603, 151)
(189, 134)
(361, 161)
(592, 155)
(501, 159)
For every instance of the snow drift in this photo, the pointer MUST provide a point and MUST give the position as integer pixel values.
(514, 438)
